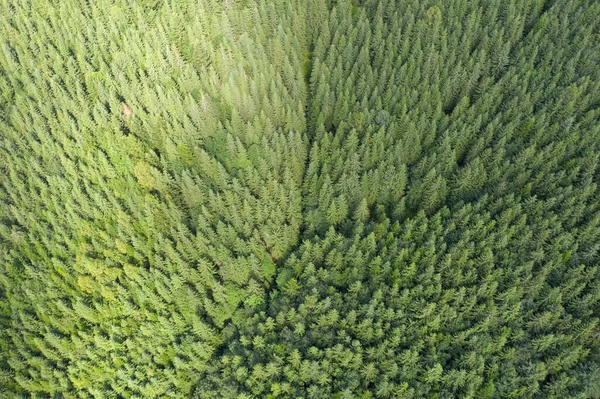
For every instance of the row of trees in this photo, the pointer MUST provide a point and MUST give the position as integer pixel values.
(450, 213)
(378, 198)
(127, 242)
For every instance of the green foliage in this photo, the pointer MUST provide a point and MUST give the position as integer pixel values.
(347, 199)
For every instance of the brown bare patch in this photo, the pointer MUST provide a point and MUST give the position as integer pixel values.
(127, 112)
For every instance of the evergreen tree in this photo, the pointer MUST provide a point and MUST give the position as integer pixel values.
(258, 199)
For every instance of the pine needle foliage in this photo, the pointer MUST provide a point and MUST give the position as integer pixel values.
(299, 199)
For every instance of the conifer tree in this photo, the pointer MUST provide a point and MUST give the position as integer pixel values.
(258, 199)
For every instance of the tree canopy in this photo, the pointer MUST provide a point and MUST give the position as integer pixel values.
(300, 199)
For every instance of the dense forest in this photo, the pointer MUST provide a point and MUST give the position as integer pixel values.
(300, 199)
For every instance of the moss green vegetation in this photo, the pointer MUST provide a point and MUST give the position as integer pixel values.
(300, 199)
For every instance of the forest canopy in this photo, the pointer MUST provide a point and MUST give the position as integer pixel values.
(300, 199)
